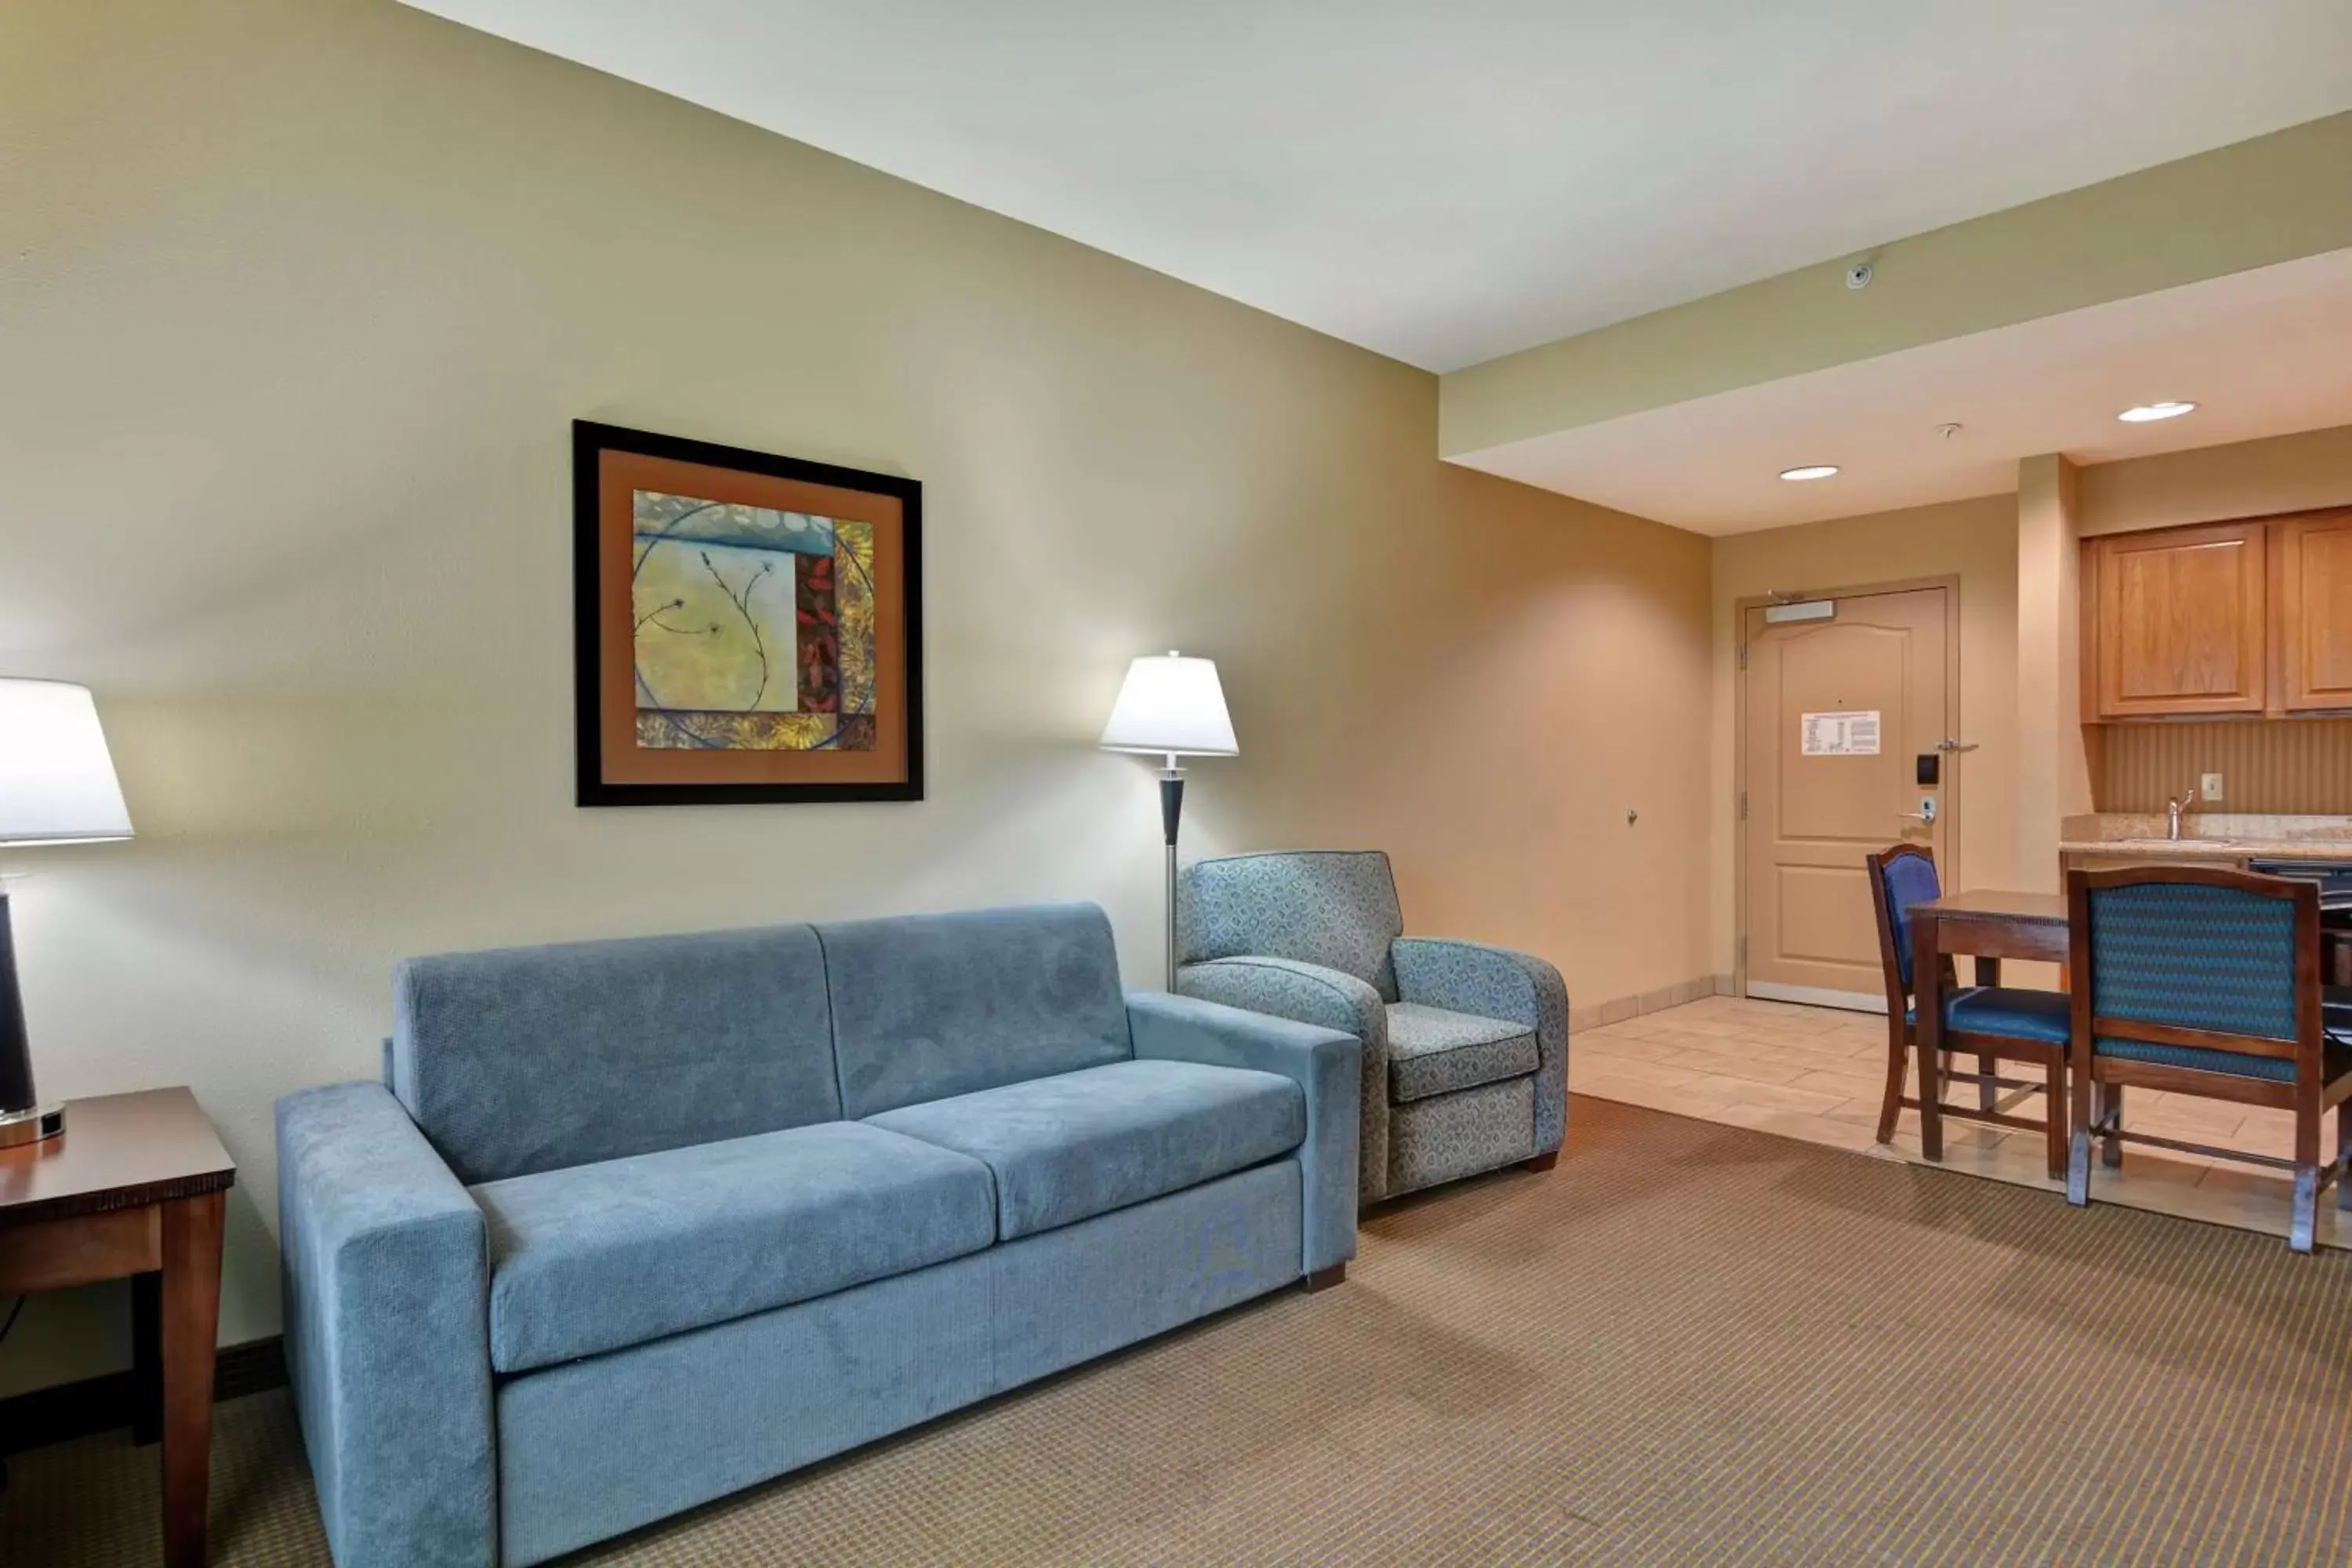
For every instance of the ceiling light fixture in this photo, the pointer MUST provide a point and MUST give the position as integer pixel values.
(1810, 472)
(2148, 413)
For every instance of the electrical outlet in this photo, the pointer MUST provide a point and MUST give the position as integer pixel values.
(2209, 786)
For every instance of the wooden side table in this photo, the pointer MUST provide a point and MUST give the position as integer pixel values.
(137, 1185)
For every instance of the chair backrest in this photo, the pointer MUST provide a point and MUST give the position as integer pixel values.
(1900, 877)
(1335, 907)
(925, 1006)
(536, 1058)
(2198, 957)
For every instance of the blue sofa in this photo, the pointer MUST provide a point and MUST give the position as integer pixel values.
(632, 1225)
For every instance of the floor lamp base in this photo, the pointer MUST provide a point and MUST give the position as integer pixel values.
(31, 1124)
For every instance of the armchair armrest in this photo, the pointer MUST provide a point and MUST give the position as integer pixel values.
(1496, 983)
(1322, 1062)
(388, 1342)
(1332, 999)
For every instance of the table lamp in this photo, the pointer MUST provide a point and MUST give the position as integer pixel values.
(1172, 707)
(56, 786)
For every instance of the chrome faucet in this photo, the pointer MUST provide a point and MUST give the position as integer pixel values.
(2175, 807)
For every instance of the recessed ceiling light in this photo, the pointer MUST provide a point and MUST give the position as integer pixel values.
(2147, 412)
(1810, 472)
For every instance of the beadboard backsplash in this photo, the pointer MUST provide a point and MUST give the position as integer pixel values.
(2301, 766)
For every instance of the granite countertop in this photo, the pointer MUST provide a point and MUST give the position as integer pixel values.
(2210, 836)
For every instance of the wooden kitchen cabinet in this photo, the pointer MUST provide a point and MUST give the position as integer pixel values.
(2177, 623)
(2311, 612)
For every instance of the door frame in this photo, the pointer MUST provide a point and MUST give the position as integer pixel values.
(1953, 814)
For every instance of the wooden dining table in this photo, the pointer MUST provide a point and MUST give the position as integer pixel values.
(1989, 924)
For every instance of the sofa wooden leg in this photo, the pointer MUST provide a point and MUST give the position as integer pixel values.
(1542, 1162)
(1324, 1279)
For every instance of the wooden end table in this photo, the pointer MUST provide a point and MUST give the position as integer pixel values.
(138, 1185)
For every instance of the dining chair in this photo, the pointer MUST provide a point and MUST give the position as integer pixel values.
(2198, 981)
(1995, 1023)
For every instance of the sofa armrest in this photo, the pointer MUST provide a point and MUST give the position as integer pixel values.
(1332, 999)
(1496, 983)
(388, 1342)
(1324, 1062)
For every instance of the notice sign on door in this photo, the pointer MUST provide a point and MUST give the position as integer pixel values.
(1853, 734)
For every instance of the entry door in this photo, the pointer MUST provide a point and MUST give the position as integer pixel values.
(1840, 713)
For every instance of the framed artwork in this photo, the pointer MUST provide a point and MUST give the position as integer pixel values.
(748, 627)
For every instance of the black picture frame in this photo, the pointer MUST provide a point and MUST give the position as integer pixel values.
(590, 441)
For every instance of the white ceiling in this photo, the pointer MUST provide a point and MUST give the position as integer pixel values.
(2264, 352)
(1446, 183)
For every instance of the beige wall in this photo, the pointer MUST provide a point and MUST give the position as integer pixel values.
(297, 298)
(2052, 775)
(1975, 540)
(2253, 203)
(2244, 479)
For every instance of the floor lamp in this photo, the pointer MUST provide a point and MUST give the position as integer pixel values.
(1172, 707)
(56, 786)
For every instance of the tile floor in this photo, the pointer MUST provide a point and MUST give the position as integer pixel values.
(1817, 1073)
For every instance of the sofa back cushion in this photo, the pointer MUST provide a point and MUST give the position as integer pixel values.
(925, 1006)
(1332, 907)
(537, 1058)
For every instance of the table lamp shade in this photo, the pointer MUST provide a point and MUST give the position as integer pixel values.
(1173, 706)
(56, 779)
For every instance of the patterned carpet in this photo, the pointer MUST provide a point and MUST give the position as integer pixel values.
(1689, 1343)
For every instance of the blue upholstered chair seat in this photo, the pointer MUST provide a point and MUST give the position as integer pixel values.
(1081, 1143)
(598, 1257)
(2237, 1064)
(1434, 1051)
(2013, 1011)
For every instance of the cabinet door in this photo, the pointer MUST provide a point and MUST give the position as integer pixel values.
(2314, 615)
(2180, 625)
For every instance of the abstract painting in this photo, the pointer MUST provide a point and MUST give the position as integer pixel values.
(758, 616)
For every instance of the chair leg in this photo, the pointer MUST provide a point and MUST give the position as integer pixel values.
(1988, 1096)
(2078, 1122)
(2109, 1112)
(2307, 1208)
(2306, 1168)
(2344, 1155)
(1931, 1102)
(2054, 1112)
(2078, 1169)
(1890, 1106)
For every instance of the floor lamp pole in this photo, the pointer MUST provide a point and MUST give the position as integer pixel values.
(1172, 812)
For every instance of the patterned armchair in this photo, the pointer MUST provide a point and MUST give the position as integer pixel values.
(1465, 1046)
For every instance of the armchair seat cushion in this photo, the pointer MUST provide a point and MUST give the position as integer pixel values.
(2013, 1012)
(596, 1257)
(1077, 1144)
(1434, 1051)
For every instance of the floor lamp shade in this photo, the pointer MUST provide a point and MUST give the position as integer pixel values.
(1172, 707)
(56, 786)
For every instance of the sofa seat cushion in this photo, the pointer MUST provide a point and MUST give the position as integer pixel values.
(1082, 1144)
(1433, 1051)
(595, 1258)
